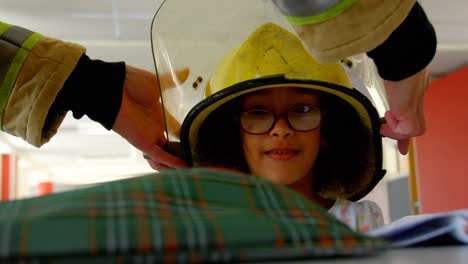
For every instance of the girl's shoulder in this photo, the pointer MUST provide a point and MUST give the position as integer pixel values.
(361, 215)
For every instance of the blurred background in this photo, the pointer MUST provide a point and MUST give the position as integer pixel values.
(83, 153)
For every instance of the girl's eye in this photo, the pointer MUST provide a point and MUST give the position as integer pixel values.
(258, 112)
(303, 109)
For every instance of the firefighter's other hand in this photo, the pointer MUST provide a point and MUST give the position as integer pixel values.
(406, 118)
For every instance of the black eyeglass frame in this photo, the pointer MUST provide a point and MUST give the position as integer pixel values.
(285, 116)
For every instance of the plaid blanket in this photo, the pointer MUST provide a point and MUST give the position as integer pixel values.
(184, 215)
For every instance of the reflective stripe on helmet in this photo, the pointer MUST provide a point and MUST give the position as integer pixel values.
(300, 12)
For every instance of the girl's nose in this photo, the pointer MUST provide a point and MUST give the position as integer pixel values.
(281, 128)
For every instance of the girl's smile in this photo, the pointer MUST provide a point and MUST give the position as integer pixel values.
(282, 153)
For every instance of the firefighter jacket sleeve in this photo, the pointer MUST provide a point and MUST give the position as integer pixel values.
(42, 78)
(397, 35)
(408, 49)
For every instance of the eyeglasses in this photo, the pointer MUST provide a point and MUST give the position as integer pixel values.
(300, 118)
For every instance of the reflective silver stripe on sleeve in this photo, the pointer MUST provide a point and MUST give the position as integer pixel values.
(302, 8)
(8, 52)
(16, 35)
(10, 42)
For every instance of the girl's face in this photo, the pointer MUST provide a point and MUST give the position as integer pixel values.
(282, 155)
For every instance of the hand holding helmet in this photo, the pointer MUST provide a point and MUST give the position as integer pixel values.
(137, 119)
(405, 119)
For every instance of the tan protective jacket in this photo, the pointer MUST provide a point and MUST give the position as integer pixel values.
(33, 69)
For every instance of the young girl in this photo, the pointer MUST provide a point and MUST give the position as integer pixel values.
(274, 112)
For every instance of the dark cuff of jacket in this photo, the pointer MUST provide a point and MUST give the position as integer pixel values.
(95, 89)
(409, 49)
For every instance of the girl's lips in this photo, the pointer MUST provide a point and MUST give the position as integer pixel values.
(281, 154)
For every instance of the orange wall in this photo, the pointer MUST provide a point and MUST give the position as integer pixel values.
(442, 152)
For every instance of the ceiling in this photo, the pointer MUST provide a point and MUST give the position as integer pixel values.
(118, 30)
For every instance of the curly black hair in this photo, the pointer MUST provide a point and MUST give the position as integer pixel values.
(339, 168)
(219, 141)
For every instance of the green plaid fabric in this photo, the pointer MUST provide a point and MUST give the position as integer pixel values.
(184, 215)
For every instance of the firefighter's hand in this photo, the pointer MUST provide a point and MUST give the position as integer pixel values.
(140, 119)
(405, 119)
